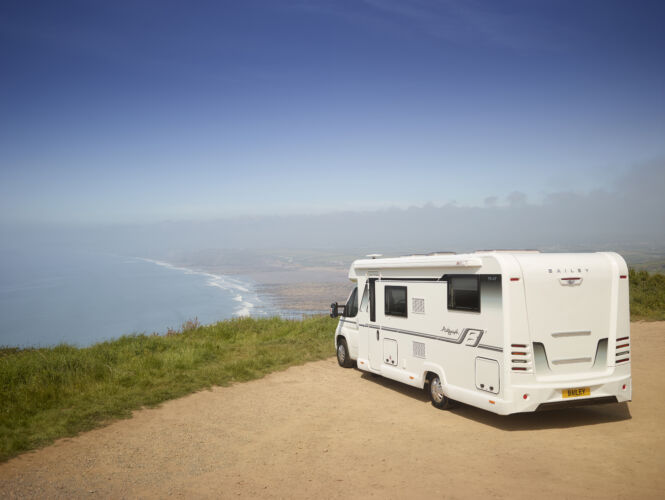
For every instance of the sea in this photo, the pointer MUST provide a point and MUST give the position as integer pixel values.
(48, 297)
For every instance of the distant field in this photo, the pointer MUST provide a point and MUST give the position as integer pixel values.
(651, 261)
(647, 296)
(652, 266)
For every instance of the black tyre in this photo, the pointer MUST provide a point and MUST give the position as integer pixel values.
(343, 357)
(436, 396)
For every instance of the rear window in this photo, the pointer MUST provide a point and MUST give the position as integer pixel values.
(464, 293)
(395, 301)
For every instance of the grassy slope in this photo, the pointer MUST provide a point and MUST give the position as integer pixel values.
(54, 392)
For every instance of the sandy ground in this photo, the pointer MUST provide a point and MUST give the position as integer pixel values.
(309, 290)
(310, 297)
(321, 431)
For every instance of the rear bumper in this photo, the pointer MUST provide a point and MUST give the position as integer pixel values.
(539, 397)
(559, 405)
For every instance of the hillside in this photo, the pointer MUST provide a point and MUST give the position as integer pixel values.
(49, 393)
(319, 431)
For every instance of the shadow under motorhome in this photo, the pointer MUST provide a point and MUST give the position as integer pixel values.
(508, 332)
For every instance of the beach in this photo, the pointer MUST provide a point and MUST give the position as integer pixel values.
(291, 282)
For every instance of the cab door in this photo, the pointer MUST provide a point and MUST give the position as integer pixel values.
(349, 323)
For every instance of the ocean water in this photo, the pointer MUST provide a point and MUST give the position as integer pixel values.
(54, 296)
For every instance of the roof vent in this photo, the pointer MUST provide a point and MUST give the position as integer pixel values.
(507, 251)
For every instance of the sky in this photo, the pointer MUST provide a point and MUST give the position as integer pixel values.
(144, 112)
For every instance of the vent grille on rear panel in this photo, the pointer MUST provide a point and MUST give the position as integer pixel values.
(419, 349)
(520, 358)
(418, 305)
(622, 350)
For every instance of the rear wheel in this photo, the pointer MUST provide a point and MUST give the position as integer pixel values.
(343, 357)
(437, 397)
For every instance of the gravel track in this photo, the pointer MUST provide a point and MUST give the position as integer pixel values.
(318, 430)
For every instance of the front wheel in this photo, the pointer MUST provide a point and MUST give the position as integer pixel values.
(343, 357)
(437, 397)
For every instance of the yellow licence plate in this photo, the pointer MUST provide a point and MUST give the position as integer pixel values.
(574, 393)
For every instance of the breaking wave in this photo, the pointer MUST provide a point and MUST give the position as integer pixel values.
(242, 291)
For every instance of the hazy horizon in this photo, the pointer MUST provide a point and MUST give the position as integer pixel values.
(629, 217)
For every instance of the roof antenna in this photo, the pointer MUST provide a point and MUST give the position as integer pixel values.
(374, 255)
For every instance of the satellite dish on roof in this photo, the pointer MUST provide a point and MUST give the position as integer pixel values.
(374, 255)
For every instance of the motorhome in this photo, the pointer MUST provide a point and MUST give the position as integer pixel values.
(506, 331)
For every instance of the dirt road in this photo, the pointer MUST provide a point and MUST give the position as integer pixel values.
(321, 431)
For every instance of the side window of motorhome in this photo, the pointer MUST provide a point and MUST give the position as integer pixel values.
(464, 293)
(364, 303)
(395, 301)
(351, 307)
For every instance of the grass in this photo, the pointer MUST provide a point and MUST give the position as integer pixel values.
(647, 296)
(55, 392)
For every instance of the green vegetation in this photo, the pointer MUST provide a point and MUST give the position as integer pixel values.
(54, 392)
(647, 296)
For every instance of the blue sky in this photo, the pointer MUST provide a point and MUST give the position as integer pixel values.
(149, 111)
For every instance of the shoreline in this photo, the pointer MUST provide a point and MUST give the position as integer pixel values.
(238, 285)
(283, 293)
(257, 291)
(103, 296)
(296, 290)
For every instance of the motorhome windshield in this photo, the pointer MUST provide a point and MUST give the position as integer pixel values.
(351, 307)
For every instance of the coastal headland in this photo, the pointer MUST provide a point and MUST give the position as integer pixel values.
(317, 430)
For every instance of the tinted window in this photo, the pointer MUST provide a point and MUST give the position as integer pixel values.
(364, 303)
(395, 300)
(351, 307)
(464, 293)
(372, 299)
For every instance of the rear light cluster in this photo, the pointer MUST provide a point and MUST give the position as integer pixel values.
(520, 358)
(623, 350)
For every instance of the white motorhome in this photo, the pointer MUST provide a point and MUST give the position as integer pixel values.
(508, 332)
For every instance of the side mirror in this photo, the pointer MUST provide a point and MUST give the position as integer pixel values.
(334, 309)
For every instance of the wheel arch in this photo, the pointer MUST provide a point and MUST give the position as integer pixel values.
(431, 368)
